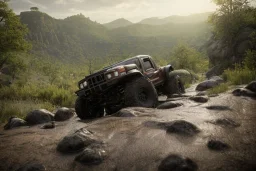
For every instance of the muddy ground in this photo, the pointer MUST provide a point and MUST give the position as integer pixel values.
(139, 143)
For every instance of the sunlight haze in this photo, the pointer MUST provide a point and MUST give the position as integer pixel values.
(104, 11)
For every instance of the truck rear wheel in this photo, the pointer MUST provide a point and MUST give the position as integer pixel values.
(174, 86)
(140, 92)
(86, 109)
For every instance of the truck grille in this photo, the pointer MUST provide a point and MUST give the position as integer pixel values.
(95, 81)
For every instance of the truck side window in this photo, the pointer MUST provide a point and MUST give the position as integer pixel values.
(147, 64)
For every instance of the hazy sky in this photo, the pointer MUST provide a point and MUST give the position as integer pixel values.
(104, 11)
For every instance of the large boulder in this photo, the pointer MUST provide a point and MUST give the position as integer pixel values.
(63, 114)
(222, 55)
(252, 86)
(39, 116)
(14, 122)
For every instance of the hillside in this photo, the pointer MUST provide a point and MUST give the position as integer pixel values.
(121, 22)
(77, 39)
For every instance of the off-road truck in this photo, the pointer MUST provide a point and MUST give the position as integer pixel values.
(136, 81)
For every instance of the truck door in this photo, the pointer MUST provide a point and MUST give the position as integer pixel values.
(150, 70)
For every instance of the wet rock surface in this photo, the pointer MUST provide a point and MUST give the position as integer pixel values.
(199, 99)
(63, 114)
(169, 105)
(34, 166)
(175, 162)
(39, 116)
(217, 145)
(75, 142)
(142, 142)
(182, 127)
(15, 122)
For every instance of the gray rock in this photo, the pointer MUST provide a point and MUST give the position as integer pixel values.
(225, 122)
(252, 86)
(182, 127)
(199, 99)
(39, 116)
(175, 162)
(217, 145)
(125, 113)
(243, 92)
(14, 122)
(91, 156)
(75, 142)
(63, 114)
(32, 167)
(169, 105)
(49, 125)
(201, 93)
(218, 107)
(208, 84)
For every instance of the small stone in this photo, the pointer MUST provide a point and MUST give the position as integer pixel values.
(217, 145)
(75, 142)
(226, 122)
(182, 127)
(125, 113)
(32, 167)
(218, 107)
(91, 156)
(199, 99)
(50, 125)
(169, 105)
(39, 117)
(14, 122)
(175, 162)
(63, 114)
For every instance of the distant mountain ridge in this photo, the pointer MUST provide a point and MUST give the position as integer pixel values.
(77, 39)
(121, 22)
(193, 18)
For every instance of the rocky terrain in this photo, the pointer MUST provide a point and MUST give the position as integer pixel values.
(185, 133)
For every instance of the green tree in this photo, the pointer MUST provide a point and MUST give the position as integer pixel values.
(12, 34)
(230, 16)
(185, 57)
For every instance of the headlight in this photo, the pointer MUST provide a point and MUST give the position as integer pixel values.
(85, 84)
(109, 76)
(115, 73)
(81, 86)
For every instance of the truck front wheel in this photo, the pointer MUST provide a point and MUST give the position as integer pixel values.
(174, 86)
(86, 109)
(140, 92)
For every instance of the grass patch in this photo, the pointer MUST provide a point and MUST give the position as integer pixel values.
(218, 89)
(239, 75)
(21, 108)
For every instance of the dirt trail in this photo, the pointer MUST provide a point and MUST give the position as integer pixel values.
(138, 143)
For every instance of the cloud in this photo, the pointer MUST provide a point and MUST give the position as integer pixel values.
(108, 10)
